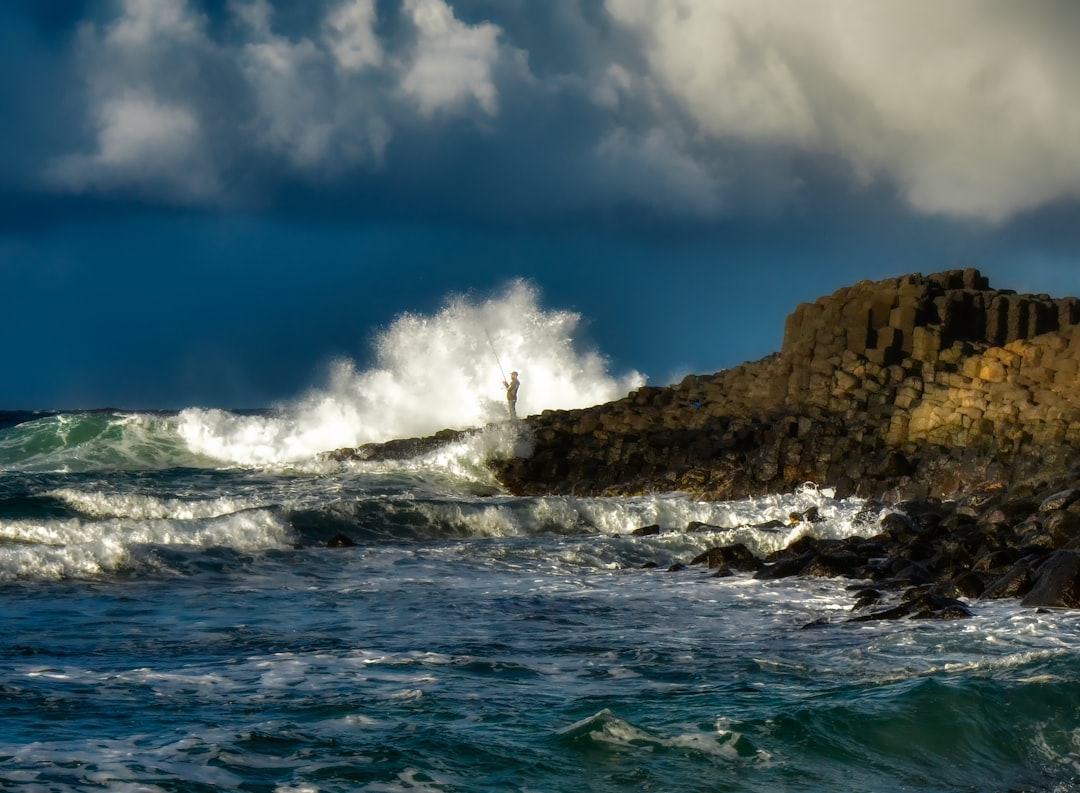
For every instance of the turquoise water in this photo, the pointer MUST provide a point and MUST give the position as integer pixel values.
(173, 625)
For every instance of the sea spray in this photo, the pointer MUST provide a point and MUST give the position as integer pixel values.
(430, 373)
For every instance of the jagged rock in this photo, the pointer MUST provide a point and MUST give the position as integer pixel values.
(1059, 500)
(867, 596)
(927, 606)
(1056, 581)
(730, 557)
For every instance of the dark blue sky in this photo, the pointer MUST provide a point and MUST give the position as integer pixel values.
(204, 202)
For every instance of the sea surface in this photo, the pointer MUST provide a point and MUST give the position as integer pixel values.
(174, 618)
(172, 623)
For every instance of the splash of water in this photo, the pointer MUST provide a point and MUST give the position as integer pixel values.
(430, 373)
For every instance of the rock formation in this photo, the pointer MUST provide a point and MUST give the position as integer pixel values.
(955, 404)
(919, 385)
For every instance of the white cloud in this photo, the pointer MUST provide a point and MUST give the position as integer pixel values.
(254, 15)
(971, 107)
(306, 110)
(148, 135)
(612, 86)
(453, 63)
(351, 37)
(315, 104)
(142, 144)
(145, 22)
(291, 108)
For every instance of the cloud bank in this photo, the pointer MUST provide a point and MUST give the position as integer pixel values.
(698, 110)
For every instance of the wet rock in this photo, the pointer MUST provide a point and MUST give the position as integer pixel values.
(785, 567)
(867, 596)
(1059, 500)
(646, 531)
(899, 526)
(731, 557)
(1056, 582)
(833, 565)
(1014, 583)
(1063, 527)
(926, 606)
(340, 541)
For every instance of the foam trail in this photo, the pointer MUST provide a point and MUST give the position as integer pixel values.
(431, 372)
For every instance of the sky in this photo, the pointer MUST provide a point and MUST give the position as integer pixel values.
(206, 202)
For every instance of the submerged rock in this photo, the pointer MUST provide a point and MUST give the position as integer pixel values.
(928, 606)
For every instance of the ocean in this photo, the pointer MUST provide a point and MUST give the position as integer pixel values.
(175, 619)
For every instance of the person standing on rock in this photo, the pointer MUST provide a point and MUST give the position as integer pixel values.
(511, 394)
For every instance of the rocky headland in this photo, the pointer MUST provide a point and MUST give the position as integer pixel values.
(953, 408)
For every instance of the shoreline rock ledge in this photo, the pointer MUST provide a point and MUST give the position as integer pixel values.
(956, 404)
(904, 388)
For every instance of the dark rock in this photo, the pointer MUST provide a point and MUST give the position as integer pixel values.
(677, 567)
(1059, 500)
(770, 524)
(785, 566)
(1015, 583)
(646, 531)
(833, 565)
(1062, 526)
(340, 541)
(865, 597)
(894, 466)
(801, 547)
(938, 607)
(927, 606)
(899, 526)
(1010, 512)
(1056, 582)
(970, 584)
(737, 557)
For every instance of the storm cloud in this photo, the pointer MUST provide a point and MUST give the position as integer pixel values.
(687, 110)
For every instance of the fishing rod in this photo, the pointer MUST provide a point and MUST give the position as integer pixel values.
(496, 354)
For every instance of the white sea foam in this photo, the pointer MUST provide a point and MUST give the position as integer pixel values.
(430, 373)
(725, 522)
(607, 729)
(74, 548)
(143, 507)
(106, 764)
